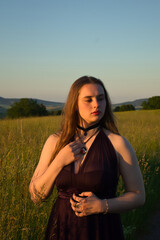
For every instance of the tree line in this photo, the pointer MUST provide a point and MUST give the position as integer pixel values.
(122, 108)
(29, 107)
(152, 103)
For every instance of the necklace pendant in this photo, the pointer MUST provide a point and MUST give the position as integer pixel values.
(83, 150)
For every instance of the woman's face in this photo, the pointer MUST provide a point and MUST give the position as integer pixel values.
(91, 104)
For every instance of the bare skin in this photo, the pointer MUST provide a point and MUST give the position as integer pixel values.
(44, 175)
(91, 105)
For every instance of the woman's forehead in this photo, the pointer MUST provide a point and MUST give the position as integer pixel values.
(91, 90)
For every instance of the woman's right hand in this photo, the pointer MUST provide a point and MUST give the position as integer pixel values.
(71, 153)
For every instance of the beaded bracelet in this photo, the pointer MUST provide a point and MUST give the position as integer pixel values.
(106, 207)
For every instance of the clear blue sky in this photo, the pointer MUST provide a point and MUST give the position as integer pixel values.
(46, 45)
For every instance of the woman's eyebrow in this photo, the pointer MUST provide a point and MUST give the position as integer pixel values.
(100, 95)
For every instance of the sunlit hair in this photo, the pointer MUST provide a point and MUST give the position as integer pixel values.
(70, 115)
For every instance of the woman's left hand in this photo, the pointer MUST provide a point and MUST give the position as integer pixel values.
(86, 203)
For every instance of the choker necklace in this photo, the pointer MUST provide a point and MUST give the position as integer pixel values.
(85, 130)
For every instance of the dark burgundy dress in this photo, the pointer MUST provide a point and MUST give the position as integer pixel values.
(98, 174)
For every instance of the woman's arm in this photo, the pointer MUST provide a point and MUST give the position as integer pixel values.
(132, 177)
(42, 182)
(43, 178)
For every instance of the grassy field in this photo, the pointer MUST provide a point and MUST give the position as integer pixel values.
(21, 142)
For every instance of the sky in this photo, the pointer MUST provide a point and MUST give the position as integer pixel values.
(46, 45)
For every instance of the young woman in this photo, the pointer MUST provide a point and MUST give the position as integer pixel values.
(85, 160)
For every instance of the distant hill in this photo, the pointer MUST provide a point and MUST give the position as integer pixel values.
(136, 103)
(5, 103)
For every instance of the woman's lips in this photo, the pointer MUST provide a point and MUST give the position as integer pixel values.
(96, 113)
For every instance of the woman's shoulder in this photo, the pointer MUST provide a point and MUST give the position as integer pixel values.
(119, 142)
(53, 139)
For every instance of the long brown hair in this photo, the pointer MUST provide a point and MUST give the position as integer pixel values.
(70, 118)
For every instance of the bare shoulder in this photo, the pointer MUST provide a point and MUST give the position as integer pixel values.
(120, 143)
(53, 137)
(52, 140)
(46, 155)
(117, 140)
(49, 147)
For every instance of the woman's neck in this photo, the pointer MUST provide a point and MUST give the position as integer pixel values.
(90, 134)
(89, 129)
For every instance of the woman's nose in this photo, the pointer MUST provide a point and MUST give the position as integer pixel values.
(95, 103)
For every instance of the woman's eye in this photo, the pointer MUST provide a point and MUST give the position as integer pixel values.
(88, 100)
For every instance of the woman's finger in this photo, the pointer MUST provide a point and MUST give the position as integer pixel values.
(76, 149)
(75, 205)
(72, 202)
(75, 143)
(86, 194)
(81, 214)
(78, 199)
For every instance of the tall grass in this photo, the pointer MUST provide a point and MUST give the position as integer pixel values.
(20, 146)
(21, 142)
(142, 129)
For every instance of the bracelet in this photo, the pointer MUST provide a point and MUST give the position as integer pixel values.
(106, 207)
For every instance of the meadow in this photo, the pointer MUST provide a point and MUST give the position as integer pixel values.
(21, 142)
